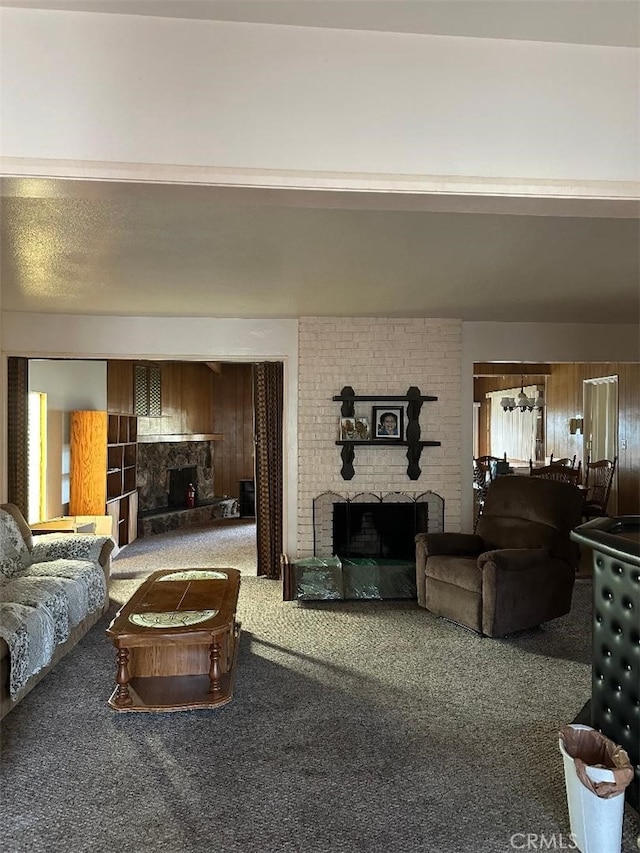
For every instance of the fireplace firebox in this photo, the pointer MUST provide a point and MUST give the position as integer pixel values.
(378, 529)
(375, 526)
(179, 481)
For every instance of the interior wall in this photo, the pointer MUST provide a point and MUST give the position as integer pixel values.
(233, 457)
(69, 386)
(206, 339)
(313, 99)
(377, 356)
(163, 338)
(565, 401)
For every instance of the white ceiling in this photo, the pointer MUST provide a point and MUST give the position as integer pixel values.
(92, 247)
(605, 22)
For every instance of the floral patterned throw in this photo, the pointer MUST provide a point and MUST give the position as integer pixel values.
(44, 594)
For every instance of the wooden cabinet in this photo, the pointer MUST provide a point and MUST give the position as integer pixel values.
(104, 457)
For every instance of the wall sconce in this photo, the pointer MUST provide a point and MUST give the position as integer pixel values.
(576, 425)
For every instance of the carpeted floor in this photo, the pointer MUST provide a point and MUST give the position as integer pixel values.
(226, 542)
(355, 726)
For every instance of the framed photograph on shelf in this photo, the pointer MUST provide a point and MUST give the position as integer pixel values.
(362, 428)
(347, 431)
(388, 422)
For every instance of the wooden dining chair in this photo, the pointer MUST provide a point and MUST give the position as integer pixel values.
(563, 473)
(570, 463)
(598, 482)
(483, 475)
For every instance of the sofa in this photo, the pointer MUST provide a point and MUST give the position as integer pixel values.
(516, 571)
(53, 588)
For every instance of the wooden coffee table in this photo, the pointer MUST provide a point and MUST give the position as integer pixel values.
(177, 641)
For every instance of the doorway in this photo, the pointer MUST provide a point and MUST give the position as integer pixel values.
(600, 436)
(269, 413)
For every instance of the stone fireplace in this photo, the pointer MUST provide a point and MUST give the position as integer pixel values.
(156, 461)
(165, 470)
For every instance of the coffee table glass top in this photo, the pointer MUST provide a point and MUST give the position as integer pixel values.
(175, 619)
(195, 575)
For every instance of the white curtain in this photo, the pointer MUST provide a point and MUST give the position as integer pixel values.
(601, 417)
(513, 433)
(601, 426)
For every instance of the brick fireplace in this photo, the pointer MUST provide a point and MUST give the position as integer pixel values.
(377, 356)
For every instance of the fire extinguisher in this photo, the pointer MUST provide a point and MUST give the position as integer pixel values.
(191, 495)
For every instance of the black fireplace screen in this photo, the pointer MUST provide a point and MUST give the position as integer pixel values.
(369, 525)
(377, 529)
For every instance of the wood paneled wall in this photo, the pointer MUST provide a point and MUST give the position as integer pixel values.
(564, 401)
(233, 417)
(197, 400)
(187, 397)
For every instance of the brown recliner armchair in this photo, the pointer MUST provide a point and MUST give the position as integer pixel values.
(516, 571)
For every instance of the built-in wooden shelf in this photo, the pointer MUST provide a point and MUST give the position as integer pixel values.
(104, 457)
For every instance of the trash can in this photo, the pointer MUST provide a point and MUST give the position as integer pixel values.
(596, 771)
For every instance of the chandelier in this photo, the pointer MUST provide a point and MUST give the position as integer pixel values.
(522, 402)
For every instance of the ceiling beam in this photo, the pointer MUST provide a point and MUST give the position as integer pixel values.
(510, 369)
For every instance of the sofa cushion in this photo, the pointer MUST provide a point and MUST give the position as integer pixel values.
(14, 554)
(89, 586)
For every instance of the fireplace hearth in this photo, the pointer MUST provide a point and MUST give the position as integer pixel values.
(364, 546)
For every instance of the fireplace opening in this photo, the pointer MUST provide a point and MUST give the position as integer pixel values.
(378, 529)
(179, 481)
(376, 526)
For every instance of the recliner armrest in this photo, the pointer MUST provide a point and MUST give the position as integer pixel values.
(450, 544)
(514, 559)
(522, 588)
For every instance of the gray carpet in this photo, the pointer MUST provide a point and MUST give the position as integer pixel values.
(226, 542)
(360, 726)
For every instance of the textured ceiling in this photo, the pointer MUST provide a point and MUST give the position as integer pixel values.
(114, 248)
(122, 248)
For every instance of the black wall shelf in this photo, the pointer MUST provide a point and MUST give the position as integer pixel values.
(388, 441)
(388, 399)
(414, 400)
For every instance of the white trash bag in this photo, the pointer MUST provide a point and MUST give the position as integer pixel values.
(596, 772)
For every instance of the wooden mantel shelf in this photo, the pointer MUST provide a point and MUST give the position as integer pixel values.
(192, 436)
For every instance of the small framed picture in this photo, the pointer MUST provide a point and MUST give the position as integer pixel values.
(348, 429)
(362, 429)
(388, 422)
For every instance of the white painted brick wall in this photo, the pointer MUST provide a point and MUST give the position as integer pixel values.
(377, 356)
